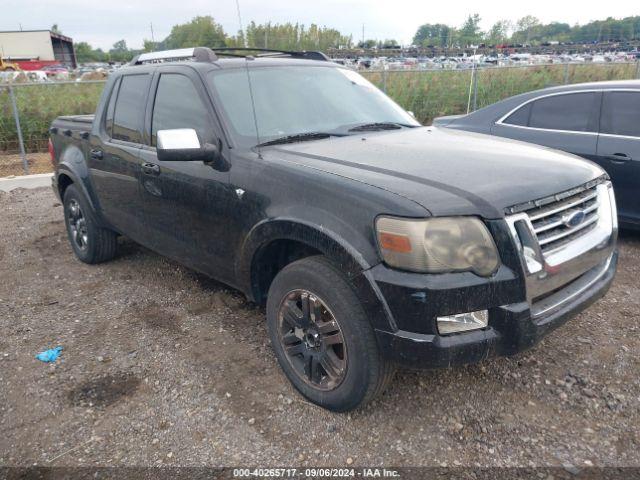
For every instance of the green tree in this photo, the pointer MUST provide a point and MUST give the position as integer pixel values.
(527, 29)
(120, 53)
(438, 35)
(237, 40)
(150, 46)
(388, 43)
(291, 36)
(56, 29)
(499, 32)
(199, 32)
(368, 44)
(470, 33)
(84, 52)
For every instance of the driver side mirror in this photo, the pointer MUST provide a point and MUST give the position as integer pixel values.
(183, 145)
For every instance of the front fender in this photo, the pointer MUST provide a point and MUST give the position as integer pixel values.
(352, 262)
(326, 241)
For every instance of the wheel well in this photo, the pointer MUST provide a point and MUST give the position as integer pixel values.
(272, 258)
(63, 182)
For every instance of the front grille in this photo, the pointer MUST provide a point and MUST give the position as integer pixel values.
(552, 222)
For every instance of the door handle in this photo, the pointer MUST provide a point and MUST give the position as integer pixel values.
(619, 157)
(97, 154)
(151, 169)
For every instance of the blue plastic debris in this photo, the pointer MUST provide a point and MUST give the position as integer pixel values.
(49, 356)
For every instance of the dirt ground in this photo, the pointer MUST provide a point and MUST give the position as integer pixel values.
(162, 366)
(12, 164)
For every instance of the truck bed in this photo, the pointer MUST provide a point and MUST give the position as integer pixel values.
(71, 131)
(80, 123)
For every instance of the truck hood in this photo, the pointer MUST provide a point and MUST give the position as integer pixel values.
(448, 172)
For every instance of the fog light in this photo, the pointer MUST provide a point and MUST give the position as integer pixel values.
(463, 322)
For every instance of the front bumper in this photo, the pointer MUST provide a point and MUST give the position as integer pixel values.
(512, 328)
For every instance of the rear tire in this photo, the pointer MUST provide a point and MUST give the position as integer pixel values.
(337, 336)
(90, 243)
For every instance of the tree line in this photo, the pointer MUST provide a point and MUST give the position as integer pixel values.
(528, 30)
(205, 31)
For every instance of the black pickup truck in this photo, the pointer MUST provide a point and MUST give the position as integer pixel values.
(374, 242)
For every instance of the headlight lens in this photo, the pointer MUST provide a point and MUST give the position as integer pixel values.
(437, 245)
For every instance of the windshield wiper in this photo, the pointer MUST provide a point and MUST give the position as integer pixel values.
(300, 137)
(372, 127)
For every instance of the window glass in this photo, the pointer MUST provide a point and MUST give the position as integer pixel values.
(178, 105)
(110, 108)
(520, 116)
(576, 112)
(621, 113)
(127, 119)
(293, 99)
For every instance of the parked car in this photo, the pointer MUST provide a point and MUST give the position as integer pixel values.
(58, 71)
(598, 121)
(373, 241)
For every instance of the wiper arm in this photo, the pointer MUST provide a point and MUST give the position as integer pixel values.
(300, 137)
(372, 127)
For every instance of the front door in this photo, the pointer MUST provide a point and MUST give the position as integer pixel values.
(186, 203)
(619, 150)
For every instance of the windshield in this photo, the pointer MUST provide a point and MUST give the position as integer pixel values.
(291, 100)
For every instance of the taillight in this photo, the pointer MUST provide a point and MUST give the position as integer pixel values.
(52, 152)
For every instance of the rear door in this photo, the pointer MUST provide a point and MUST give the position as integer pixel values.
(567, 121)
(619, 149)
(187, 204)
(115, 160)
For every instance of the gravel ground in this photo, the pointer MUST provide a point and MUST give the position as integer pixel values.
(162, 366)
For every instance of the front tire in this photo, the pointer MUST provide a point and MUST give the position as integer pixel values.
(90, 243)
(322, 338)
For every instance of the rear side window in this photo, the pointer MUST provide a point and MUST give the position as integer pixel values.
(577, 112)
(178, 105)
(520, 116)
(110, 109)
(129, 109)
(621, 114)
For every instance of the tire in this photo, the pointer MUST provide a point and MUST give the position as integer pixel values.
(347, 348)
(90, 243)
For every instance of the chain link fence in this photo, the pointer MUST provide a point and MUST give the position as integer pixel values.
(27, 110)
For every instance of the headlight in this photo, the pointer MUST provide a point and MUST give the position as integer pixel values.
(436, 245)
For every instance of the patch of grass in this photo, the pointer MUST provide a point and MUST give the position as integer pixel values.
(38, 105)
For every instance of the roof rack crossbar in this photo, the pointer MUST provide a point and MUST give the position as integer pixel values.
(269, 52)
(200, 54)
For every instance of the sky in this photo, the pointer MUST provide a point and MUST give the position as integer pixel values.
(103, 23)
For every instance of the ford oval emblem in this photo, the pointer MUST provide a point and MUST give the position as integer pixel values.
(574, 218)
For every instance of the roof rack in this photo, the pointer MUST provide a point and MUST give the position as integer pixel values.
(200, 54)
(268, 52)
(206, 54)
